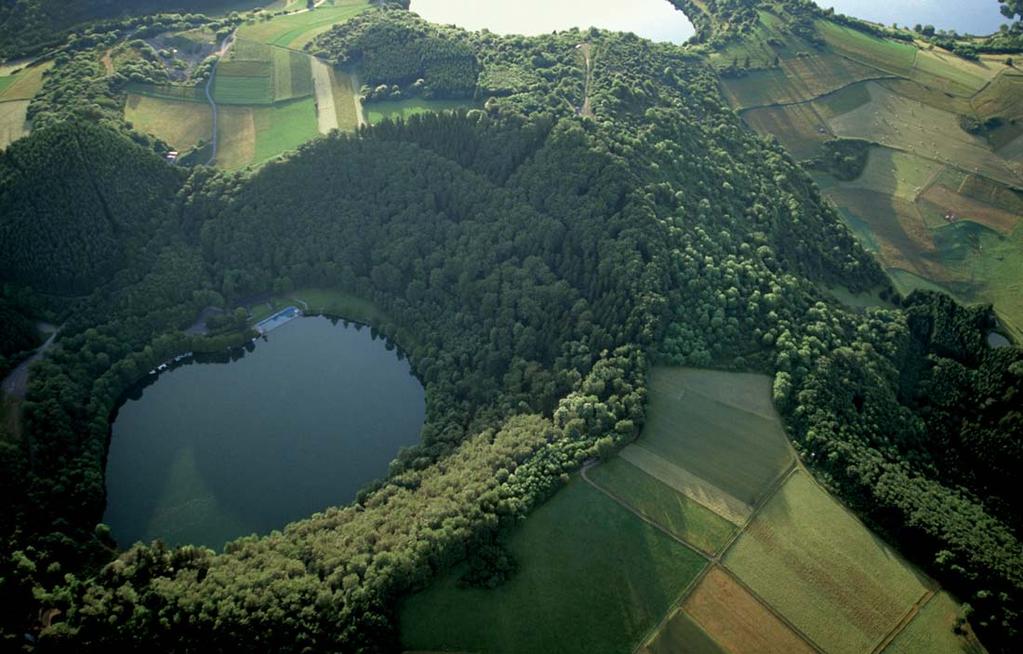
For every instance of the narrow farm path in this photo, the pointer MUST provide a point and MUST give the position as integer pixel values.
(224, 48)
(904, 622)
(326, 111)
(15, 384)
(356, 86)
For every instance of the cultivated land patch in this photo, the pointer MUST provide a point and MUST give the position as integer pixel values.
(931, 631)
(883, 54)
(13, 123)
(737, 621)
(795, 79)
(593, 577)
(903, 124)
(727, 434)
(294, 31)
(283, 127)
(377, 112)
(823, 570)
(346, 101)
(24, 84)
(181, 124)
(682, 635)
(799, 128)
(236, 137)
(663, 504)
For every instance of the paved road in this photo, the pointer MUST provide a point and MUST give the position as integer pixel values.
(16, 383)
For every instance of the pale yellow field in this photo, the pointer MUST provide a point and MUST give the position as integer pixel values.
(12, 121)
(180, 124)
(27, 84)
(236, 137)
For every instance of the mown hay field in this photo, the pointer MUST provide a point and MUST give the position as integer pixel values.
(24, 84)
(180, 124)
(13, 124)
(824, 570)
(720, 428)
(737, 621)
(663, 504)
(291, 74)
(283, 127)
(904, 124)
(797, 127)
(345, 99)
(931, 631)
(294, 31)
(592, 577)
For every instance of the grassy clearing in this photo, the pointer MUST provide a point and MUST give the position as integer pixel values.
(905, 124)
(895, 173)
(720, 427)
(13, 124)
(338, 304)
(931, 631)
(663, 504)
(798, 127)
(737, 621)
(377, 112)
(681, 635)
(1003, 97)
(592, 578)
(842, 102)
(283, 127)
(823, 570)
(24, 84)
(295, 30)
(927, 95)
(180, 124)
(943, 70)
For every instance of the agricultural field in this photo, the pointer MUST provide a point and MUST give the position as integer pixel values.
(681, 635)
(932, 631)
(592, 577)
(244, 82)
(796, 79)
(13, 124)
(903, 124)
(736, 621)
(818, 566)
(253, 135)
(894, 57)
(721, 430)
(294, 31)
(799, 128)
(662, 504)
(180, 124)
(24, 84)
(377, 112)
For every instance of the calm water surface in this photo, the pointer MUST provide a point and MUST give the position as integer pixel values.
(656, 20)
(964, 16)
(210, 452)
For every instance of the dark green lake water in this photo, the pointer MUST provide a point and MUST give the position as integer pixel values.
(213, 451)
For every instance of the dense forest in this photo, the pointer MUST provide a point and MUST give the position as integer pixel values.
(532, 264)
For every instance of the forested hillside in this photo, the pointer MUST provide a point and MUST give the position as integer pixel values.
(28, 27)
(533, 264)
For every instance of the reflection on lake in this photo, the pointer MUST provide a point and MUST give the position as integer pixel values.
(963, 16)
(211, 452)
(657, 20)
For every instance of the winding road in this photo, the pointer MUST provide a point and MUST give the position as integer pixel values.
(224, 48)
(15, 384)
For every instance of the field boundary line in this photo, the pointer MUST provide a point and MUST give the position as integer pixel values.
(769, 493)
(674, 607)
(782, 105)
(773, 611)
(904, 621)
(630, 509)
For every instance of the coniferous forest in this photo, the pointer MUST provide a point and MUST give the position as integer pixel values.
(533, 264)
